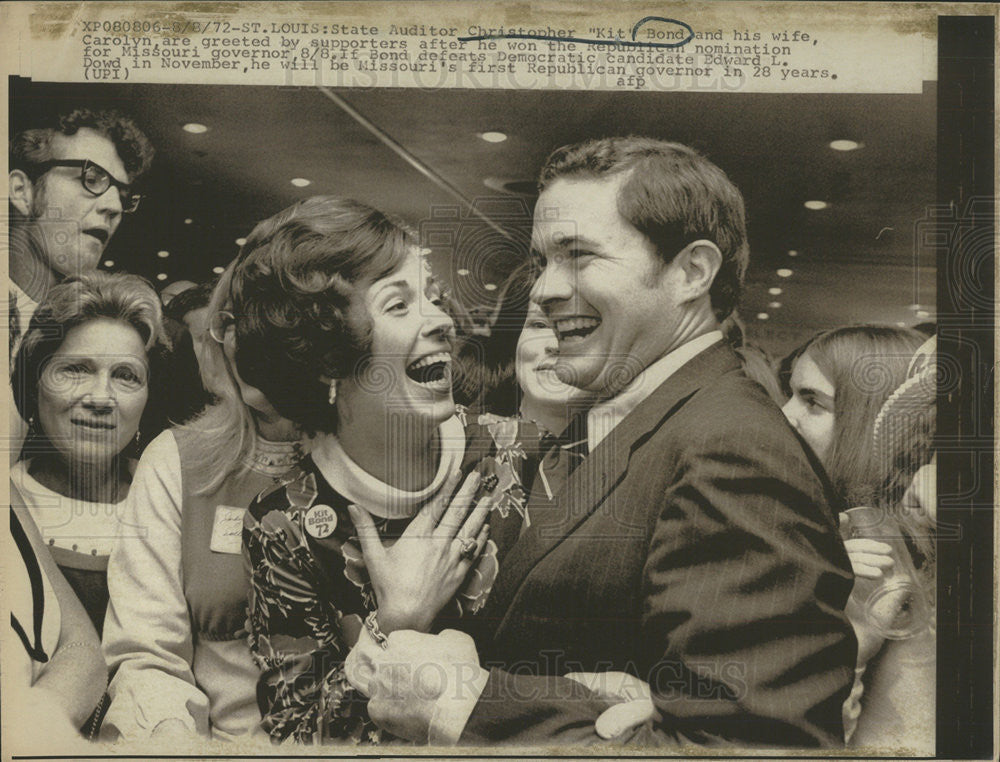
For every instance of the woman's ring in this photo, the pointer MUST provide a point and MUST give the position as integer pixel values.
(469, 546)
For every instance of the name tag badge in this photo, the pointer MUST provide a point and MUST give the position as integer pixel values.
(227, 531)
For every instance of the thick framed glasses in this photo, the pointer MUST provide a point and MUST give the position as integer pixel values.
(220, 323)
(96, 180)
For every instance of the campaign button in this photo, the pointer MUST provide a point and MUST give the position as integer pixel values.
(321, 520)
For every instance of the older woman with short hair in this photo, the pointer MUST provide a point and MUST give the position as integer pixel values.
(82, 381)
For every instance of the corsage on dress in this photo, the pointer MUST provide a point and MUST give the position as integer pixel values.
(310, 593)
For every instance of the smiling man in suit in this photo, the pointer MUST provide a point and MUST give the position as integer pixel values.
(684, 536)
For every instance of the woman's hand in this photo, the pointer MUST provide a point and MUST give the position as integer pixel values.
(869, 558)
(419, 573)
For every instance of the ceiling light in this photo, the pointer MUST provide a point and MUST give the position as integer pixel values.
(774, 291)
(163, 254)
(923, 314)
(194, 128)
(784, 272)
(240, 241)
(844, 145)
(774, 305)
(161, 276)
(493, 137)
(300, 182)
(218, 270)
(816, 205)
(762, 316)
(901, 324)
(793, 253)
(490, 286)
(462, 271)
(188, 220)
(109, 263)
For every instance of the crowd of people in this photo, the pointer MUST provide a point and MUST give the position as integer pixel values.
(306, 502)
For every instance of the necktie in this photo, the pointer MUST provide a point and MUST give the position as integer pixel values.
(561, 455)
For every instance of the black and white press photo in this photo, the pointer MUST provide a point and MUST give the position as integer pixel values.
(536, 379)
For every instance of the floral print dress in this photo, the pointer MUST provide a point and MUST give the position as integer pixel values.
(310, 593)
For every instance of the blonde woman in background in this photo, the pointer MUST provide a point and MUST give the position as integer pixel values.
(175, 635)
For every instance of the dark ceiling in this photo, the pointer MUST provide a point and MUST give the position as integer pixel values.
(856, 260)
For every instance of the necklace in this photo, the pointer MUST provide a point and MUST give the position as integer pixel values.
(273, 459)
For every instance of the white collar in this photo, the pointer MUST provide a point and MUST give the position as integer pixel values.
(67, 522)
(21, 293)
(604, 416)
(375, 496)
(26, 306)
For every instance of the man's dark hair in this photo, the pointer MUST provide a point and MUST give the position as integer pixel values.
(673, 195)
(189, 299)
(31, 147)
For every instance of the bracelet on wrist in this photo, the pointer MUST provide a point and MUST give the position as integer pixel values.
(371, 624)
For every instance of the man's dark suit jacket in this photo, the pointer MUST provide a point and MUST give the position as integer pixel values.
(695, 547)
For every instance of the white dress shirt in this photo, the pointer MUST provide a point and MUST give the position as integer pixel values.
(604, 416)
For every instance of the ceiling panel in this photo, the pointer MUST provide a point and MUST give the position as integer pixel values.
(856, 260)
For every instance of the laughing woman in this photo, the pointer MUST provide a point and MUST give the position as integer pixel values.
(340, 325)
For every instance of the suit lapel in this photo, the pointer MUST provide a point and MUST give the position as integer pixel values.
(600, 473)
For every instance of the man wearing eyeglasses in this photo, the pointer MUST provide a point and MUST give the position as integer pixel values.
(69, 184)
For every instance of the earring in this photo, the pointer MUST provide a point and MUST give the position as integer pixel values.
(333, 391)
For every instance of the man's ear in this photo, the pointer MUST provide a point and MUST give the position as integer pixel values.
(21, 191)
(699, 263)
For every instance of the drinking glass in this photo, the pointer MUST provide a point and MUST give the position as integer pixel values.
(896, 605)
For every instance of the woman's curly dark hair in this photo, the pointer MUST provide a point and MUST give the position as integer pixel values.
(294, 295)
